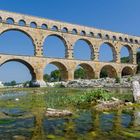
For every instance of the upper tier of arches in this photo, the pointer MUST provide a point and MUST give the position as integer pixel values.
(33, 22)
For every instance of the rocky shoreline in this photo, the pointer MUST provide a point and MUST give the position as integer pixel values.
(125, 82)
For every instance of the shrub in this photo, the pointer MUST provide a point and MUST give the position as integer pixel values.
(117, 79)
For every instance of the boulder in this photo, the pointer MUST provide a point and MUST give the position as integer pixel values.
(57, 113)
(136, 91)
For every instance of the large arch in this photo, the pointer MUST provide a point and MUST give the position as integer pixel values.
(88, 71)
(138, 59)
(25, 63)
(61, 67)
(86, 49)
(107, 52)
(16, 41)
(127, 71)
(108, 71)
(126, 54)
(55, 46)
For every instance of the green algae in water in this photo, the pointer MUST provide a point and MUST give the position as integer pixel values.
(6, 121)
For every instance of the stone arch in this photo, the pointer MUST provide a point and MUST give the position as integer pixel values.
(89, 71)
(22, 22)
(113, 52)
(108, 71)
(44, 26)
(83, 33)
(91, 34)
(136, 41)
(127, 71)
(62, 68)
(91, 49)
(107, 36)
(61, 39)
(24, 62)
(0, 19)
(10, 20)
(128, 50)
(54, 28)
(74, 31)
(65, 30)
(20, 31)
(33, 24)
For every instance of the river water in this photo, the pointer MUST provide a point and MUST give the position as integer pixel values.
(22, 116)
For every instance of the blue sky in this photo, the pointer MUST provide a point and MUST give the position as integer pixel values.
(116, 15)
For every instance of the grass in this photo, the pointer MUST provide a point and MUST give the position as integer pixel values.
(61, 97)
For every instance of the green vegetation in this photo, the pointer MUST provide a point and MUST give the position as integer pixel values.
(117, 79)
(80, 73)
(12, 83)
(53, 77)
(103, 73)
(63, 97)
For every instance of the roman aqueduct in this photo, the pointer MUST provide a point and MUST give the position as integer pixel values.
(38, 29)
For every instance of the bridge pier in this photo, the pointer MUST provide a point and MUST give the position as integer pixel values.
(38, 80)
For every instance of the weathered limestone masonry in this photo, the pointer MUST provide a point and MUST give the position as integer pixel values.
(69, 33)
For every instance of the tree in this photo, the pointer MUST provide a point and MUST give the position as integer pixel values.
(103, 74)
(80, 73)
(13, 83)
(47, 78)
(55, 75)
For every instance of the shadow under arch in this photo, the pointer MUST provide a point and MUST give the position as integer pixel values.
(29, 66)
(62, 68)
(108, 71)
(127, 71)
(113, 50)
(89, 71)
(91, 57)
(61, 38)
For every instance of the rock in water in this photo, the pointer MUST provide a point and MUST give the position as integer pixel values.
(57, 113)
(136, 91)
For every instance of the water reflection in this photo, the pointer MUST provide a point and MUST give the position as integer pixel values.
(86, 124)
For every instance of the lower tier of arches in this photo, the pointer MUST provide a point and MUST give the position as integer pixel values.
(67, 68)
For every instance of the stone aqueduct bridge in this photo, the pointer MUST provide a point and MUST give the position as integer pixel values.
(39, 28)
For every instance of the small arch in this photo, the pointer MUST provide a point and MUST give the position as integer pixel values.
(84, 71)
(91, 34)
(131, 40)
(114, 38)
(99, 35)
(136, 41)
(74, 31)
(65, 30)
(33, 25)
(44, 26)
(54, 28)
(108, 71)
(126, 40)
(29, 66)
(120, 38)
(61, 69)
(83, 33)
(107, 36)
(22, 23)
(10, 20)
(0, 19)
(127, 71)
